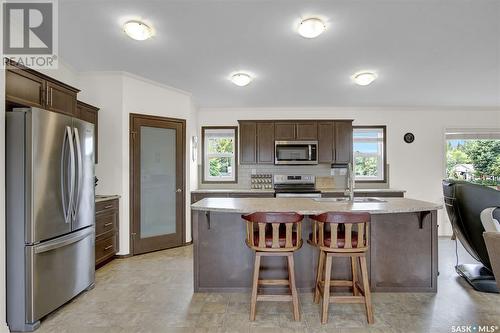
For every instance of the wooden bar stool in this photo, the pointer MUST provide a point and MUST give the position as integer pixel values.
(274, 235)
(341, 234)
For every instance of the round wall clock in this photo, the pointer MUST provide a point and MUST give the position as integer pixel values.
(409, 137)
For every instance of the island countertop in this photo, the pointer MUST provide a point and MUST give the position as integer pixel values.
(309, 206)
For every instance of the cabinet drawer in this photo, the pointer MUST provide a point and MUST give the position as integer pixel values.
(105, 222)
(104, 206)
(105, 249)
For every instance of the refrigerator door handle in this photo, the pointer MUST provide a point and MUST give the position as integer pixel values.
(63, 241)
(79, 174)
(72, 173)
(67, 201)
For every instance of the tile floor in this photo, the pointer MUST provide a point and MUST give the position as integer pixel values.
(153, 293)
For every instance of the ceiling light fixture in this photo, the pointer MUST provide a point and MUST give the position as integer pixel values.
(241, 79)
(138, 30)
(311, 27)
(364, 78)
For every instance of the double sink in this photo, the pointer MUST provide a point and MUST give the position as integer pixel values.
(362, 200)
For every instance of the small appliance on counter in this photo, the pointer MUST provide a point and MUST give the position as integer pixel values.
(295, 186)
(261, 181)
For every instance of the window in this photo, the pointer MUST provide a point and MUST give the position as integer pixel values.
(220, 163)
(473, 155)
(369, 153)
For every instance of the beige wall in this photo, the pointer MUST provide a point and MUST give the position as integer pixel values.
(418, 167)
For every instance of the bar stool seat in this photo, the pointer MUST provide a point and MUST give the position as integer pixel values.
(269, 238)
(340, 239)
(272, 234)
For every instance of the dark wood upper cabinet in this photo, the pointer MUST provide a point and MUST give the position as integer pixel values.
(306, 130)
(60, 99)
(88, 113)
(24, 89)
(284, 131)
(257, 139)
(248, 142)
(265, 142)
(343, 141)
(326, 148)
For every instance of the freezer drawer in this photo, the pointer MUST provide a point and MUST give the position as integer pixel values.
(57, 271)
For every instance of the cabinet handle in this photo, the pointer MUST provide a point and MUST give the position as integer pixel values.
(41, 95)
(108, 247)
(51, 91)
(108, 224)
(47, 96)
(108, 206)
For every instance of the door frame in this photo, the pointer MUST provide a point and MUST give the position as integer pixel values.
(134, 206)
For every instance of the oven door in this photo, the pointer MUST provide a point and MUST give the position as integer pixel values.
(295, 152)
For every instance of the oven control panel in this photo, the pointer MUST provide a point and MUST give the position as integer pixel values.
(261, 181)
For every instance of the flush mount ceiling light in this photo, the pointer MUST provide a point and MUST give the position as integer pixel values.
(364, 78)
(241, 79)
(311, 27)
(138, 30)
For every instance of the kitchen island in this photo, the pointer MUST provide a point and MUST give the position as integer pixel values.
(403, 243)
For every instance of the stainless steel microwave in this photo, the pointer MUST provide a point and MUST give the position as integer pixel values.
(296, 152)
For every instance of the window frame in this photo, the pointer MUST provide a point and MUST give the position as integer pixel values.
(384, 153)
(204, 160)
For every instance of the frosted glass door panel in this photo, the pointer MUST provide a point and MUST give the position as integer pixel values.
(158, 181)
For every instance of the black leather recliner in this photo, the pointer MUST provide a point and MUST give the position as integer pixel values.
(464, 203)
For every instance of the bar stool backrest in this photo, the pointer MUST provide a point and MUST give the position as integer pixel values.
(273, 232)
(347, 228)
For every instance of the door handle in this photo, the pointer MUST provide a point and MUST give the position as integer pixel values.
(67, 206)
(79, 173)
(178, 190)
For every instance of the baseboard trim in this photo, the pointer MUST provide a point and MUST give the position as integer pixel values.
(4, 328)
(123, 256)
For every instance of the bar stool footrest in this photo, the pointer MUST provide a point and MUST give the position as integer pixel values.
(274, 298)
(274, 282)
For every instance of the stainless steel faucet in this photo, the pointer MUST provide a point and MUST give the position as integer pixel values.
(350, 182)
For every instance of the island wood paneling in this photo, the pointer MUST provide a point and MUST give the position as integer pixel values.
(402, 256)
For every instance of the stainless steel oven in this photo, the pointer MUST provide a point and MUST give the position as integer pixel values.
(295, 186)
(296, 152)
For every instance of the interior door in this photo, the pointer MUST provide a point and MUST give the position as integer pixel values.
(157, 182)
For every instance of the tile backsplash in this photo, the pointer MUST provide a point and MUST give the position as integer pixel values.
(245, 172)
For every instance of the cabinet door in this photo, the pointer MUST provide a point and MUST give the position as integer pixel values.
(248, 142)
(60, 99)
(24, 88)
(343, 141)
(265, 143)
(306, 130)
(326, 151)
(284, 131)
(87, 113)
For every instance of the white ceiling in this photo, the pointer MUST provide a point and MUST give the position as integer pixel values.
(426, 52)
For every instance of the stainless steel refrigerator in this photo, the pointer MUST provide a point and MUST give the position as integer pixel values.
(50, 213)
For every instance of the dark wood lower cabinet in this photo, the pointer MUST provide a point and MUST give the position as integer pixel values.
(403, 254)
(106, 231)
